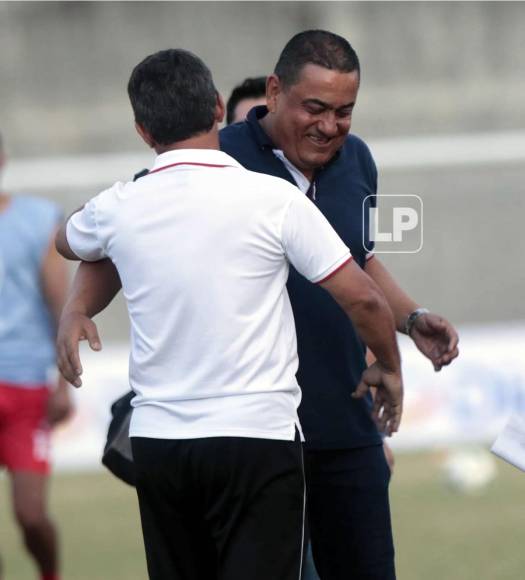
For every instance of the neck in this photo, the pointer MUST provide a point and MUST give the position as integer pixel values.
(208, 140)
(268, 124)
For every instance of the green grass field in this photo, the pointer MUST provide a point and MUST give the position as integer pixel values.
(440, 535)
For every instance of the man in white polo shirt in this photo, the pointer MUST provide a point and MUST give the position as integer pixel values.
(202, 247)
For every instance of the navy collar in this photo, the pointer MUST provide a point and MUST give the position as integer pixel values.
(261, 137)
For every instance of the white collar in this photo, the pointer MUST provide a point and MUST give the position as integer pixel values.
(303, 183)
(204, 157)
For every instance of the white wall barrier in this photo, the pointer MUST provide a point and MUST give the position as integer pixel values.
(468, 401)
(91, 172)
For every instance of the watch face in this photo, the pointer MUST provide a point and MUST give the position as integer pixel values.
(413, 316)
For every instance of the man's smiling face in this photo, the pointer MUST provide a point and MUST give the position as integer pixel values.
(312, 117)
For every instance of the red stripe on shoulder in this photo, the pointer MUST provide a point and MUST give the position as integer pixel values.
(335, 271)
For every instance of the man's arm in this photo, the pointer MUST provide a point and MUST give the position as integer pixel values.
(400, 303)
(96, 283)
(54, 282)
(61, 243)
(94, 287)
(434, 336)
(366, 306)
(317, 252)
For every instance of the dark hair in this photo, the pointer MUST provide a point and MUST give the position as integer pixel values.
(250, 88)
(173, 96)
(318, 47)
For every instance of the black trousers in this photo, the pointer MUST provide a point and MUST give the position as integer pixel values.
(349, 514)
(221, 508)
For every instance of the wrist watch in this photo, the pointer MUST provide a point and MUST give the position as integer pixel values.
(412, 317)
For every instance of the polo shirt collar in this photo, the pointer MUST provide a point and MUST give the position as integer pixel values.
(197, 157)
(253, 118)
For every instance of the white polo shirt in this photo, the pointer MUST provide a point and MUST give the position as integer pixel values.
(203, 247)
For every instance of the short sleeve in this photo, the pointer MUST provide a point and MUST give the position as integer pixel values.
(82, 234)
(310, 243)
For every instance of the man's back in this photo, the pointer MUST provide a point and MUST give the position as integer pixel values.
(201, 246)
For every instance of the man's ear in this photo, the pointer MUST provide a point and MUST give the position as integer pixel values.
(219, 109)
(146, 136)
(273, 90)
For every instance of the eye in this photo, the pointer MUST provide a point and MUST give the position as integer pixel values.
(314, 109)
(345, 113)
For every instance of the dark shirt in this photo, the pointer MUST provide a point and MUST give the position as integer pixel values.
(331, 355)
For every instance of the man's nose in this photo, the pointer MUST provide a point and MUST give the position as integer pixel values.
(328, 125)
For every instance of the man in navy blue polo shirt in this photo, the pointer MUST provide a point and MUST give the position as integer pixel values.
(302, 136)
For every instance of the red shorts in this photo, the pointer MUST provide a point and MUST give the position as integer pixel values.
(24, 430)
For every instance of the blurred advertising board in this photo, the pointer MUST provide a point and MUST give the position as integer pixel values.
(467, 402)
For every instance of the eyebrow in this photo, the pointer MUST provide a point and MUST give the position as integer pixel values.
(326, 105)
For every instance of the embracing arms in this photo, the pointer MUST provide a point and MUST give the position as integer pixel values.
(433, 335)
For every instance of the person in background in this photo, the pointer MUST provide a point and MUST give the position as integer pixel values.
(33, 286)
(250, 93)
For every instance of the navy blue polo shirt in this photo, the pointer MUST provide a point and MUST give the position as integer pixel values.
(331, 355)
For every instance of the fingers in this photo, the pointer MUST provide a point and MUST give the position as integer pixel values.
(361, 390)
(387, 416)
(387, 402)
(72, 331)
(92, 335)
(448, 333)
(69, 362)
(446, 359)
(453, 342)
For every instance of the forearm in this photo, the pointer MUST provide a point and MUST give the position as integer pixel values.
(54, 287)
(94, 287)
(366, 306)
(374, 322)
(54, 282)
(400, 303)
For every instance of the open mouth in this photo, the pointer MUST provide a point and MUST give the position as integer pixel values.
(318, 140)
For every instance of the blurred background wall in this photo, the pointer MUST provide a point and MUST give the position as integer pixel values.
(428, 69)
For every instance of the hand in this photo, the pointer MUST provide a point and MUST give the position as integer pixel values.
(436, 338)
(74, 327)
(59, 405)
(388, 400)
